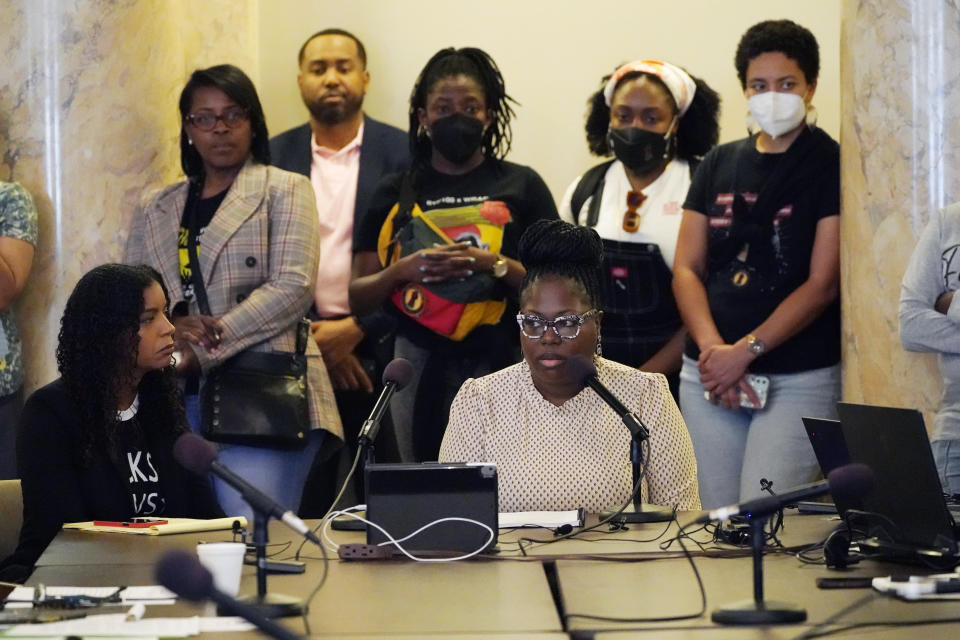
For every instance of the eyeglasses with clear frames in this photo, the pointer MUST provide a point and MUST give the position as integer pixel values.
(207, 120)
(566, 327)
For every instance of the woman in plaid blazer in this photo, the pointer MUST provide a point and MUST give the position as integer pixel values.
(256, 233)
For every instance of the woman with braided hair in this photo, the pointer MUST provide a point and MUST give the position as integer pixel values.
(556, 444)
(438, 245)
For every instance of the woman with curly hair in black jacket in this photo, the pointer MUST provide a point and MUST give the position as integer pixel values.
(97, 442)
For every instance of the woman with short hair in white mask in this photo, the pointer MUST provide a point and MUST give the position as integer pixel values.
(756, 279)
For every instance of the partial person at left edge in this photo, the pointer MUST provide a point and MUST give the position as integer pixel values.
(18, 239)
(344, 152)
(97, 443)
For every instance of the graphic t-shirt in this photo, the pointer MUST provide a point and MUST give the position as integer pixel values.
(143, 479)
(204, 210)
(744, 290)
(509, 193)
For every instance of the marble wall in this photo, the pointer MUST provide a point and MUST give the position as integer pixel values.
(88, 120)
(900, 136)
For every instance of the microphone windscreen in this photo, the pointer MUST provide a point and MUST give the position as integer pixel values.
(194, 453)
(181, 572)
(851, 481)
(581, 369)
(398, 371)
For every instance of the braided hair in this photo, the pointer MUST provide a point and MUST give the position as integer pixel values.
(558, 249)
(478, 65)
(97, 352)
(697, 131)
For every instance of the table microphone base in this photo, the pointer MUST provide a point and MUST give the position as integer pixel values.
(642, 513)
(750, 612)
(273, 605)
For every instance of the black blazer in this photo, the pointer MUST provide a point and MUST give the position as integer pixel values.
(384, 150)
(57, 488)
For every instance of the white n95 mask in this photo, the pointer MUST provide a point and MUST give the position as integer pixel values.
(777, 113)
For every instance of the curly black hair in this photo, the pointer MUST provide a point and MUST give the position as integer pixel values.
(554, 248)
(97, 352)
(698, 130)
(478, 65)
(784, 36)
(235, 83)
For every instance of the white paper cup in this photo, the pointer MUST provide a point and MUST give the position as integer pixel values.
(225, 561)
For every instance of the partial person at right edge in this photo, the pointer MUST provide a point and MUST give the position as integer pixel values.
(345, 153)
(18, 238)
(756, 278)
(930, 322)
(659, 122)
(439, 244)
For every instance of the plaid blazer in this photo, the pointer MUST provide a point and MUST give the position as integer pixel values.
(258, 258)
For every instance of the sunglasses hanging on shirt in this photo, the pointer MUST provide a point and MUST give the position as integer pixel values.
(631, 219)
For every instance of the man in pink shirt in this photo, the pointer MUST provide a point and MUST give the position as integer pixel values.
(344, 152)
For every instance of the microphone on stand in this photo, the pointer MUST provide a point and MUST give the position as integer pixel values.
(200, 456)
(181, 572)
(850, 481)
(584, 371)
(396, 375)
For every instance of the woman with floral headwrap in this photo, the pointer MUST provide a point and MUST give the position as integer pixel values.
(657, 121)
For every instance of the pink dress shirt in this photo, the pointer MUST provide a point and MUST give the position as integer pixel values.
(334, 177)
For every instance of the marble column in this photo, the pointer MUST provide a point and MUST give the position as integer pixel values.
(900, 136)
(89, 121)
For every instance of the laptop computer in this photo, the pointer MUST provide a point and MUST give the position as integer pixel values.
(828, 443)
(402, 498)
(908, 502)
(826, 438)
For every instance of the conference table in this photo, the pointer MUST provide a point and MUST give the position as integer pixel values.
(533, 587)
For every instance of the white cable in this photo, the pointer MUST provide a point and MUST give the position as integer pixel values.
(330, 517)
(396, 543)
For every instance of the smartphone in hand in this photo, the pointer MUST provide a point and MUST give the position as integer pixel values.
(761, 386)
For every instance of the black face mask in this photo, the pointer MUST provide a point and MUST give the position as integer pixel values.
(638, 149)
(457, 137)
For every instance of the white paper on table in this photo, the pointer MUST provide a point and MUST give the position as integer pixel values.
(112, 624)
(224, 623)
(546, 519)
(147, 594)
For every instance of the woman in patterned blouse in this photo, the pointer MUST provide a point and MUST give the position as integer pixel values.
(556, 444)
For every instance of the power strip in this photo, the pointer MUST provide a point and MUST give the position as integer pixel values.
(359, 551)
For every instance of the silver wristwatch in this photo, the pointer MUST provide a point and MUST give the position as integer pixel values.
(755, 345)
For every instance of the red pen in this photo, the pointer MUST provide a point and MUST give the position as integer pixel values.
(128, 525)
